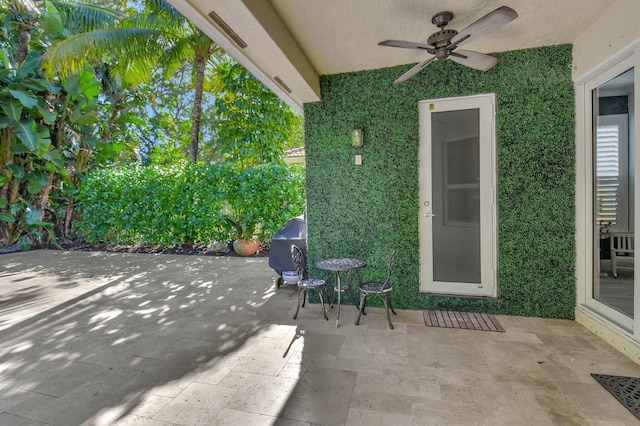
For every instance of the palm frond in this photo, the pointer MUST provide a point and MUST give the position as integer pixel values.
(134, 73)
(213, 83)
(162, 7)
(139, 66)
(174, 28)
(71, 54)
(176, 56)
(82, 17)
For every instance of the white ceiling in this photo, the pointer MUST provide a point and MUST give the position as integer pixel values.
(290, 43)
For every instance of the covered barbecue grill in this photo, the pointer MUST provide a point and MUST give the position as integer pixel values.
(292, 233)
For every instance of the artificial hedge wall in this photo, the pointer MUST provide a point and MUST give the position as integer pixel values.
(186, 203)
(367, 210)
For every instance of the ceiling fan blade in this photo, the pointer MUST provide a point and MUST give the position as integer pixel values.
(489, 22)
(472, 59)
(413, 71)
(405, 44)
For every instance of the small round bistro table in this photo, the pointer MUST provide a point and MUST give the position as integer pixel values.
(337, 265)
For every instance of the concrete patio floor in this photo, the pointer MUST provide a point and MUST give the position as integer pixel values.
(137, 339)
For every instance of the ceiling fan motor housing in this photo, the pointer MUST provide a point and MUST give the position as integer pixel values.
(441, 38)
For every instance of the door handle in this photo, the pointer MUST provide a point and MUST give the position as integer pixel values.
(429, 215)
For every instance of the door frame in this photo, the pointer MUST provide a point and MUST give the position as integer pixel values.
(585, 228)
(488, 287)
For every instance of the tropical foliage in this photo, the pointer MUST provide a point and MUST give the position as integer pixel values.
(161, 52)
(83, 86)
(49, 130)
(156, 38)
(254, 125)
(148, 206)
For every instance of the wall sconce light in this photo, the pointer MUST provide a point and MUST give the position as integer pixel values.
(357, 138)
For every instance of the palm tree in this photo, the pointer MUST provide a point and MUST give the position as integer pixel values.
(204, 51)
(135, 46)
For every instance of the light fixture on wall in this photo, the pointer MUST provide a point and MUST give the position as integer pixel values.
(357, 138)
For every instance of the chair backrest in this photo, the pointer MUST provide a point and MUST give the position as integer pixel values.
(622, 242)
(387, 281)
(299, 262)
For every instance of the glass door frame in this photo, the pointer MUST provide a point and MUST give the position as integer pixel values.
(585, 220)
(488, 287)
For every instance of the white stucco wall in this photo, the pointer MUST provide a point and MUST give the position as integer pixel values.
(613, 30)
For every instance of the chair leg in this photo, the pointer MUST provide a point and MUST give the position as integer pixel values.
(390, 305)
(324, 311)
(363, 302)
(301, 292)
(304, 299)
(326, 297)
(386, 305)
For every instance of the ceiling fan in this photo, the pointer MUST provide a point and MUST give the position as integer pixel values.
(444, 44)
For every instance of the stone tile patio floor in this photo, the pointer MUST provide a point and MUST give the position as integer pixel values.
(137, 339)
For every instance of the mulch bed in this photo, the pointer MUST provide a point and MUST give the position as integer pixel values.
(184, 249)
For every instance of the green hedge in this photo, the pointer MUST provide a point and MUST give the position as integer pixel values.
(185, 204)
(367, 210)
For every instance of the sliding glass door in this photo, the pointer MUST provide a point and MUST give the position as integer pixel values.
(614, 177)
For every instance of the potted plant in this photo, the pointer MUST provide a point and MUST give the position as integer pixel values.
(246, 243)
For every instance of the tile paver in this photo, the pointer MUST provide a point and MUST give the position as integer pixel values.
(136, 339)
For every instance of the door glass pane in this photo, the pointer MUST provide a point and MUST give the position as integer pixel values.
(463, 205)
(456, 196)
(613, 210)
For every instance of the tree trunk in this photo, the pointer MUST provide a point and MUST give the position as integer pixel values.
(23, 43)
(82, 158)
(6, 157)
(45, 195)
(26, 14)
(68, 218)
(201, 62)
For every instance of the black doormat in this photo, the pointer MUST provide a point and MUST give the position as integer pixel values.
(464, 320)
(624, 389)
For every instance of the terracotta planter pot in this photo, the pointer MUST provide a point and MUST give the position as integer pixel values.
(246, 247)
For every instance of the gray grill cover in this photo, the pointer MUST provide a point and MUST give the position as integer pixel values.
(293, 232)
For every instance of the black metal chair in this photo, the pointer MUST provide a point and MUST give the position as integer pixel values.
(305, 283)
(382, 288)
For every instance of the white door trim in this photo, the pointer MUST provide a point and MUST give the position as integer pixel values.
(485, 103)
(585, 232)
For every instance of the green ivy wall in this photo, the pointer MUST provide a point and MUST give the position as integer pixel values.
(366, 211)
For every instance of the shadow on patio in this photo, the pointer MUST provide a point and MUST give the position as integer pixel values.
(103, 338)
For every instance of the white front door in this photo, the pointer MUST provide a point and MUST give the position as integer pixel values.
(457, 221)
